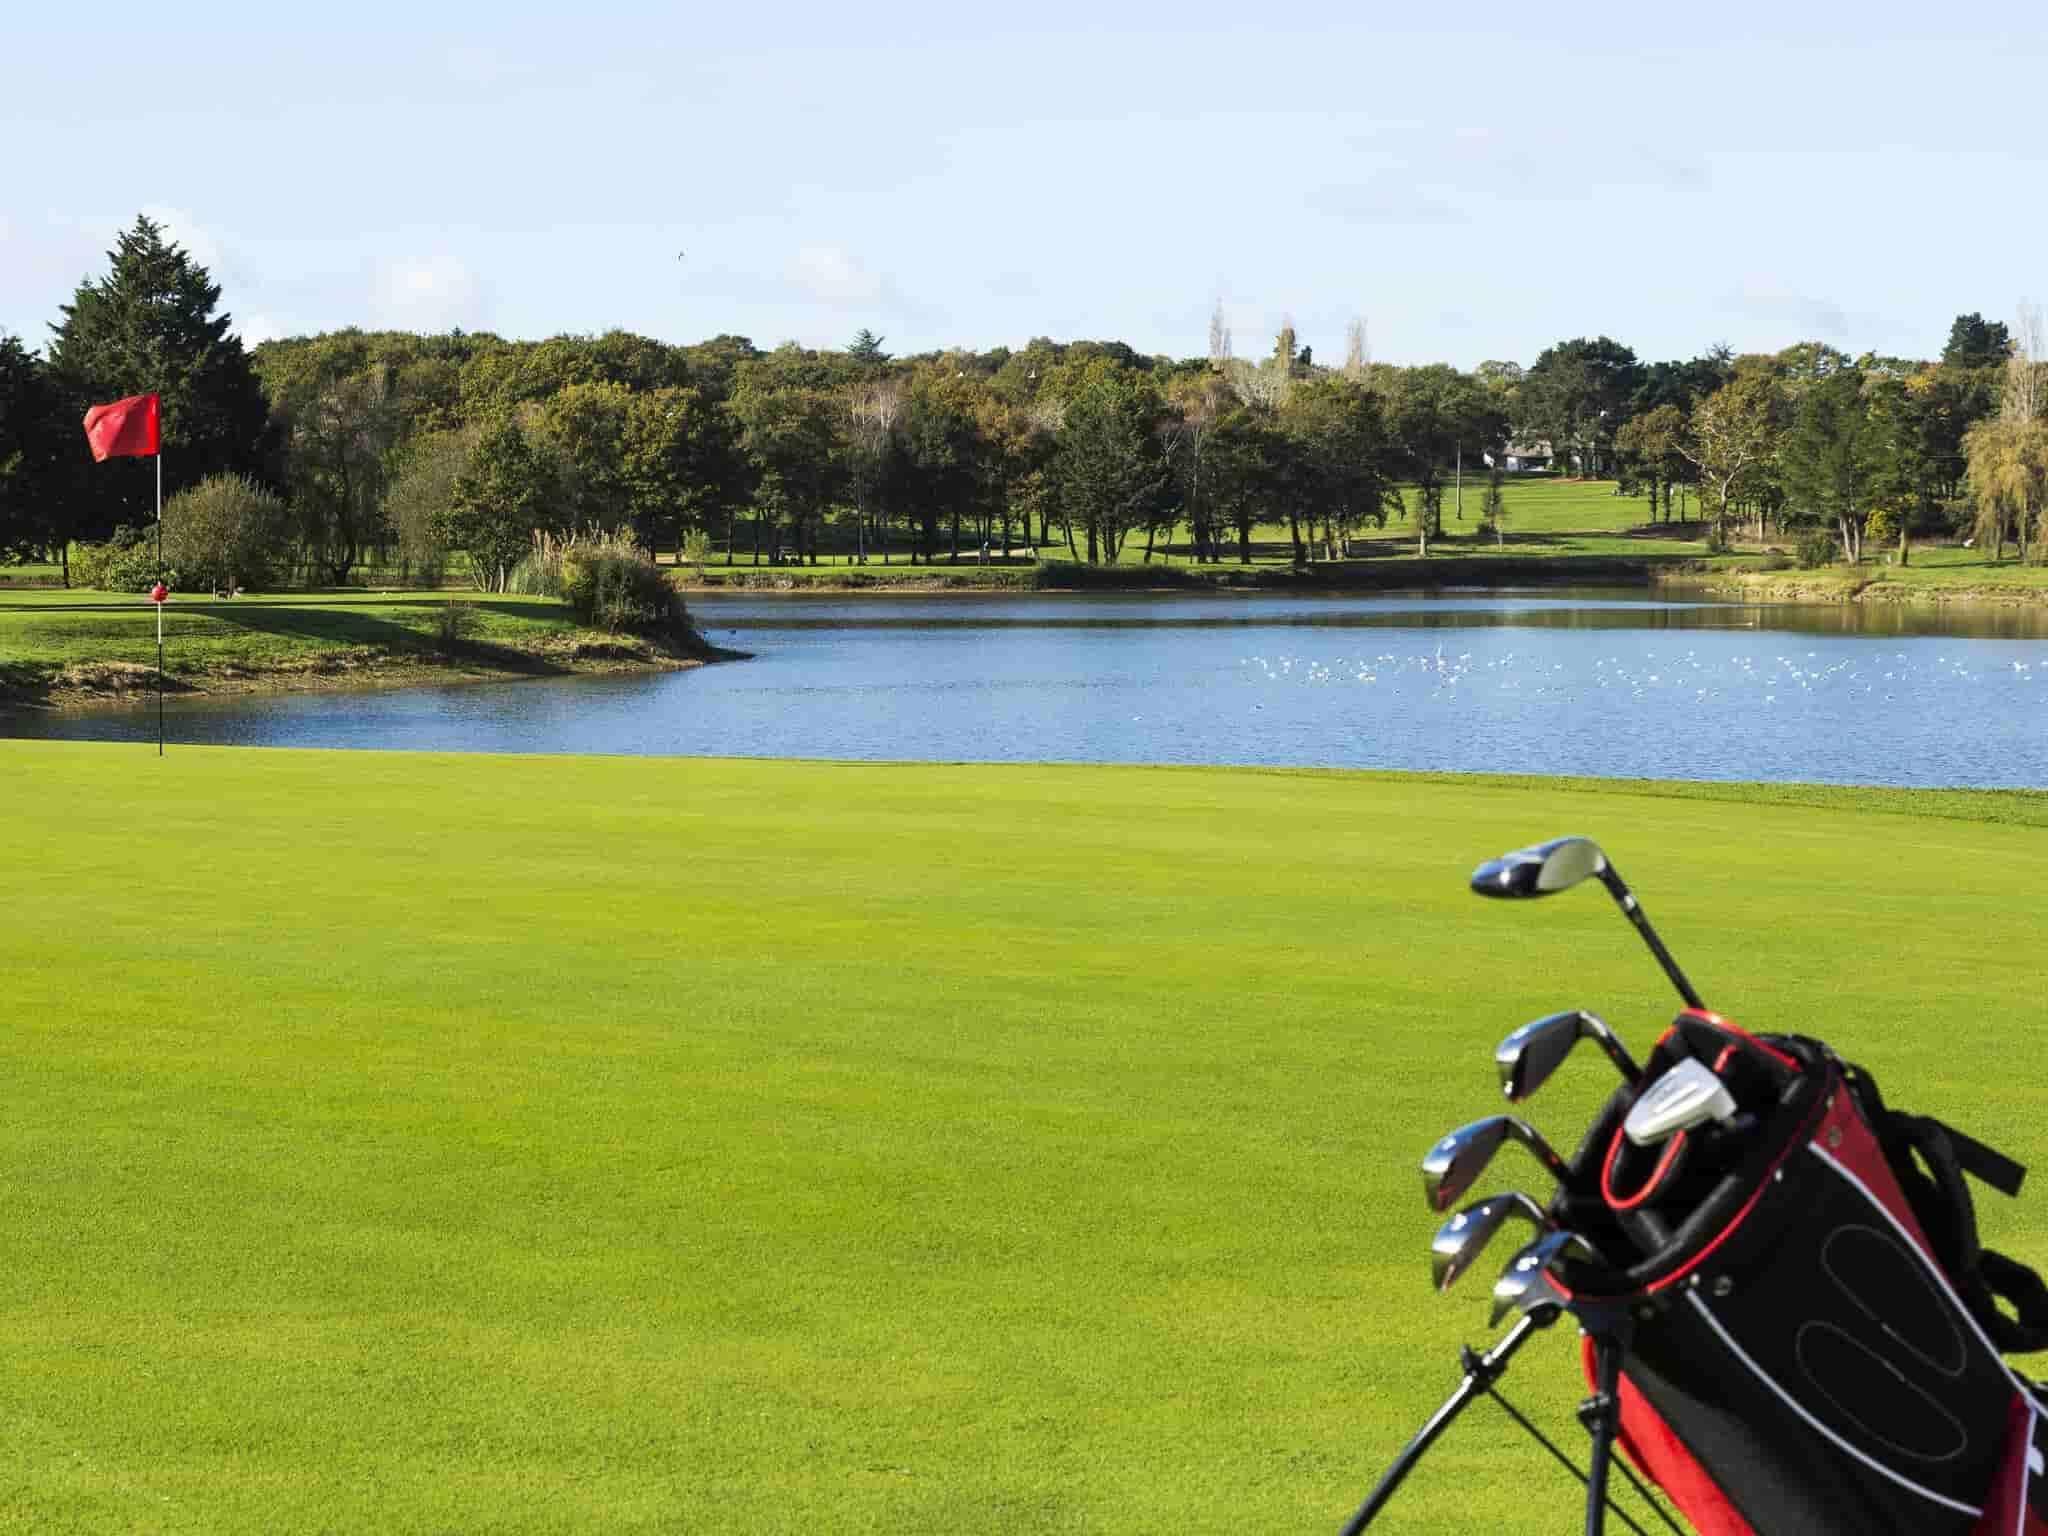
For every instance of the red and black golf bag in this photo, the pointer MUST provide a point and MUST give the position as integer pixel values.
(1816, 1333)
(1790, 1326)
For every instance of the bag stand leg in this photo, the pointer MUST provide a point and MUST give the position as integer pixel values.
(1600, 1413)
(1481, 1371)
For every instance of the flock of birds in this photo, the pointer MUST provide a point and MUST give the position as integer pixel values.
(1887, 675)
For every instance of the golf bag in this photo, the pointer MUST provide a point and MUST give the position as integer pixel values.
(1789, 1323)
(1815, 1332)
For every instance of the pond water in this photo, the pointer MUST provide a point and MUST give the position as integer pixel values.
(1578, 682)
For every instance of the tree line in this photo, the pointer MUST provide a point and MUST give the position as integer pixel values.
(379, 448)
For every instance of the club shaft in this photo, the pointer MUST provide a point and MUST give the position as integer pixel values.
(1633, 911)
(1476, 1383)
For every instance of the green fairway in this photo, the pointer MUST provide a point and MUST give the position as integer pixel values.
(432, 1143)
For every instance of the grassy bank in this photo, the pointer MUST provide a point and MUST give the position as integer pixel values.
(1936, 573)
(61, 647)
(427, 1143)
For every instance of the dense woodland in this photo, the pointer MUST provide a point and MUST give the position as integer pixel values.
(355, 450)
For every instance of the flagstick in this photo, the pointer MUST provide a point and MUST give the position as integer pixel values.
(159, 456)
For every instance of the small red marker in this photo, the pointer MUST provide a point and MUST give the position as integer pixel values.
(159, 593)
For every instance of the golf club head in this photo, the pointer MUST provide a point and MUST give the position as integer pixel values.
(1529, 1055)
(1543, 870)
(1687, 1096)
(1454, 1164)
(1460, 1241)
(1525, 1284)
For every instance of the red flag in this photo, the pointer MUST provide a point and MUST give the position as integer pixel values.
(125, 428)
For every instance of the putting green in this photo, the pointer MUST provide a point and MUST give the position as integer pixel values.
(431, 1143)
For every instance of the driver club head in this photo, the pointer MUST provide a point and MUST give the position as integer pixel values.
(1454, 1164)
(1525, 1285)
(1460, 1241)
(1529, 1055)
(1543, 870)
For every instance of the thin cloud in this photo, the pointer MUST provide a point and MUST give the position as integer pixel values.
(426, 293)
(831, 274)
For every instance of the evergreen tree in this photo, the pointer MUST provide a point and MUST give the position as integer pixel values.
(1974, 342)
(149, 327)
(34, 430)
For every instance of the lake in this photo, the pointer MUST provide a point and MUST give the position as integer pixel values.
(1593, 682)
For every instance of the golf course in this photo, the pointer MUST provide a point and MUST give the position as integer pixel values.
(412, 1142)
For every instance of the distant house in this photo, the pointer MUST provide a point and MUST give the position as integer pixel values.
(1520, 458)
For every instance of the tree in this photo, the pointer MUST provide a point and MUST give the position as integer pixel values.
(507, 491)
(335, 410)
(35, 427)
(1974, 342)
(1434, 413)
(421, 492)
(225, 532)
(1493, 509)
(585, 425)
(1247, 471)
(1577, 393)
(1647, 453)
(1197, 402)
(1343, 460)
(2008, 471)
(682, 466)
(1219, 338)
(791, 433)
(942, 469)
(872, 413)
(866, 350)
(150, 327)
(1357, 352)
(1110, 467)
(1826, 456)
(1732, 433)
(2008, 456)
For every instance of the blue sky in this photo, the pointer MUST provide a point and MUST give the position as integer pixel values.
(957, 174)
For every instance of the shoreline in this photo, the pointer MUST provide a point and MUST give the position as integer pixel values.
(124, 684)
(1831, 585)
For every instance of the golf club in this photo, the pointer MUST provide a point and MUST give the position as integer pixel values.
(1455, 1162)
(1529, 1055)
(1460, 1241)
(1525, 1284)
(1688, 1095)
(1562, 863)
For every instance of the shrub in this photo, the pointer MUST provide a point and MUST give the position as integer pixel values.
(226, 532)
(615, 588)
(125, 563)
(696, 548)
(1816, 549)
(1881, 529)
(455, 623)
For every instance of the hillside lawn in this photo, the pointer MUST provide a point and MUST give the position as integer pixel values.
(424, 1143)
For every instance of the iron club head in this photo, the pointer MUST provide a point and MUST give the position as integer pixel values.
(1454, 1163)
(1460, 1241)
(1525, 1284)
(1529, 1055)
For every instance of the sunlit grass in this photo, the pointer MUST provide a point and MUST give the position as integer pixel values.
(431, 1143)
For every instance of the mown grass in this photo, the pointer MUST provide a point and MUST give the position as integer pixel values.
(430, 1143)
(50, 637)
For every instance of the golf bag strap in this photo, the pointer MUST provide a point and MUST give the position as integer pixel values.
(1941, 1202)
